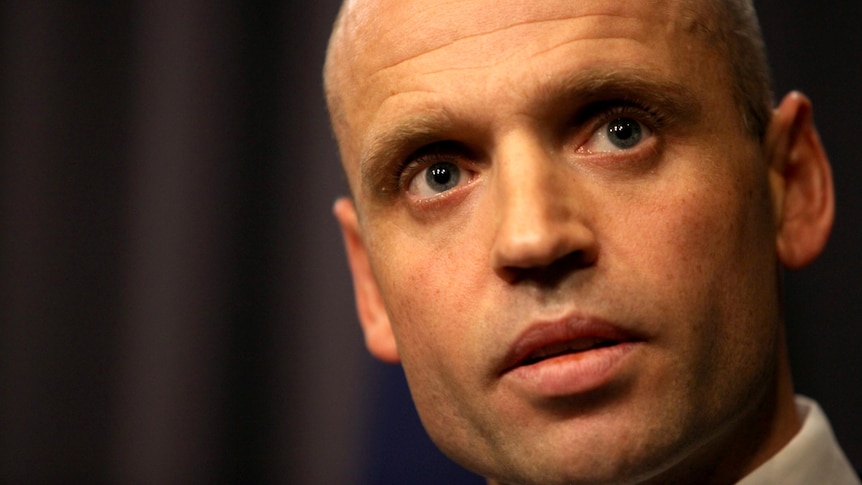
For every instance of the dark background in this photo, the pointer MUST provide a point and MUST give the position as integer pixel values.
(174, 303)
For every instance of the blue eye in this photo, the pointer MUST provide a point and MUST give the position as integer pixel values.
(624, 132)
(441, 177)
(435, 179)
(437, 169)
(619, 134)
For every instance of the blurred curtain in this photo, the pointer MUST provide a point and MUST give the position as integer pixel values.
(173, 299)
(174, 306)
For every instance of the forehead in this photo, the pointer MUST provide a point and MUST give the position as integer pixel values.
(385, 33)
(388, 32)
(397, 47)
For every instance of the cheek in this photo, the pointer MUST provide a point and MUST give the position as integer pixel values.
(434, 303)
(699, 229)
(707, 252)
(430, 284)
(442, 302)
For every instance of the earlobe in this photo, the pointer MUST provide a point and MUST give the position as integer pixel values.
(801, 182)
(369, 304)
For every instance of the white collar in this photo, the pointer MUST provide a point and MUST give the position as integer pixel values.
(812, 456)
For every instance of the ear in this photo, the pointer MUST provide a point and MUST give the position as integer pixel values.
(369, 304)
(801, 182)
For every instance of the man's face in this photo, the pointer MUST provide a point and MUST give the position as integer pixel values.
(570, 229)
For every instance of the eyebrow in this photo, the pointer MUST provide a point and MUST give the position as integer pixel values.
(403, 136)
(677, 103)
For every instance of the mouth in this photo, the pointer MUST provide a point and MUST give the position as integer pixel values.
(567, 356)
(571, 347)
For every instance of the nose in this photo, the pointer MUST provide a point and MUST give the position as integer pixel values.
(542, 227)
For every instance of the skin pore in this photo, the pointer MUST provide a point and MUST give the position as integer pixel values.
(519, 170)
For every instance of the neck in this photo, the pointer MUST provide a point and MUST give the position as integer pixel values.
(763, 433)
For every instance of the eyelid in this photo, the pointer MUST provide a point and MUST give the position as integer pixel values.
(413, 166)
(597, 117)
(442, 152)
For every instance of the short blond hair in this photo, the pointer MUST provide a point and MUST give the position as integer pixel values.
(741, 42)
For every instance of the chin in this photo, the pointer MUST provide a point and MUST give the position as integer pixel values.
(607, 450)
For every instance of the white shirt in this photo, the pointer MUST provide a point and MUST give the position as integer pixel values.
(811, 457)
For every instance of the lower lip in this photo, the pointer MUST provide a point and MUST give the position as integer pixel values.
(571, 374)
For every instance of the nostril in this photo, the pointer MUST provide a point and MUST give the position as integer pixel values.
(552, 274)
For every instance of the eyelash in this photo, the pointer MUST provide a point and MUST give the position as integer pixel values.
(594, 116)
(427, 156)
(602, 113)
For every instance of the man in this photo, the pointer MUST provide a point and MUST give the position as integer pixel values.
(567, 223)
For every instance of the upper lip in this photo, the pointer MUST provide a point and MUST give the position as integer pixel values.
(547, 338)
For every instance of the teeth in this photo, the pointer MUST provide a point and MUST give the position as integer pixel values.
(584, 344)
(578, 345)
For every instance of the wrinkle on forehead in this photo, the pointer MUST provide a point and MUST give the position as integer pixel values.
(376, 35)
(502, 45)
(388, 32)
(487, 33)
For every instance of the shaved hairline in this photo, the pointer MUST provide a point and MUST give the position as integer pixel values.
(740, 41)
(733, 25)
